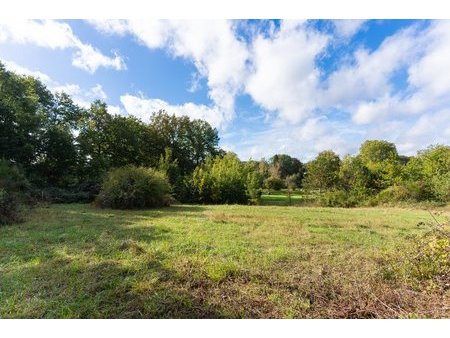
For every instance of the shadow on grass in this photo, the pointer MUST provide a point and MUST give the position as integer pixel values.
(63, 288)
(91, 263)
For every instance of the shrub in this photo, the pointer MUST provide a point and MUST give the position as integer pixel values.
(9, 208)
(393, 194)
(274, 183)
(133, 187)
(13, 187)
(339, 198)
(221, 180)
(58, 195)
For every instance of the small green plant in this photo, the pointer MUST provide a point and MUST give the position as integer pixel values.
(132, 187)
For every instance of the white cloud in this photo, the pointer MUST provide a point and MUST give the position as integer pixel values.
(368, 76)
(116, 110)
(58, 35)
(143, 108)
(285, 77)
(348, 28)
(212, 46)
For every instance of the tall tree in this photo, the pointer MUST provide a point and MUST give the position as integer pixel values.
(323, 172)
(382, 159)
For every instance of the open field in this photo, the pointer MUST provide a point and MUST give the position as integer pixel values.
(71, 261)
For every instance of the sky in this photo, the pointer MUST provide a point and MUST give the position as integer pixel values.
(268, 86)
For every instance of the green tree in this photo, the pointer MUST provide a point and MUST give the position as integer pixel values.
(354, 175)
(57, 164)
(383, 161)
(24, 108)
(94, 141)
(286, 166)
(191, 141)
(428, 173)
(322, 173)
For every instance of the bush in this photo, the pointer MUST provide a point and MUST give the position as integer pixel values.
(132, 187)
(9, 208)
(58, 195)
(393, 194)
(339, 198)
(274, 183)
(13, 188)
(221, 180)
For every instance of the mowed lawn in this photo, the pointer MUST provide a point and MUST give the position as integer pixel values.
(192, 261)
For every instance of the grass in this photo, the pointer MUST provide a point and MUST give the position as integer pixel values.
(189, 261)
(281, 197)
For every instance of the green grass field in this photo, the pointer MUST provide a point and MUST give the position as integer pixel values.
(192, 261)
(281, 198)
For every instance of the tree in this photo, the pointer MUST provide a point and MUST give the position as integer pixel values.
(286, 165)
(355, 176)
(58, 163)
(191, 141)
(428, 173)
(94, 141)
(382, 159)
(322, 173)
(24, 108)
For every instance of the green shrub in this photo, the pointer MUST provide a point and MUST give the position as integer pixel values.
(339, 198)
(13, 190)
(9, 208)
(221, 180)
(132, 187)
(393, 194)
(274, 183)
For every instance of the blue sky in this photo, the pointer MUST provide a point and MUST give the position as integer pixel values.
(272, 86)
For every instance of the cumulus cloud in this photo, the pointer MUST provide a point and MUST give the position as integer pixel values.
(143, 108)
(212, 46)
(285, 77)
(58, 35)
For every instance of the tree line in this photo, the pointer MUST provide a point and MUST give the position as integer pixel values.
(63, 152)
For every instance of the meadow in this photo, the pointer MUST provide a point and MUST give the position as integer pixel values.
(223, 261)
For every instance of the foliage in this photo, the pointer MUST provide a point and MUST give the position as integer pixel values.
(9, 207)
(65, 151)
(13, 187)
(274, 183)
(429, 172)
(131, 187)
(395, 193)
(339, 198)
(223, 180)
(284, 165)
(323, 172)
(382, 159)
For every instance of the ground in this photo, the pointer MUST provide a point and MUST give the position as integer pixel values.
(194, 261)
